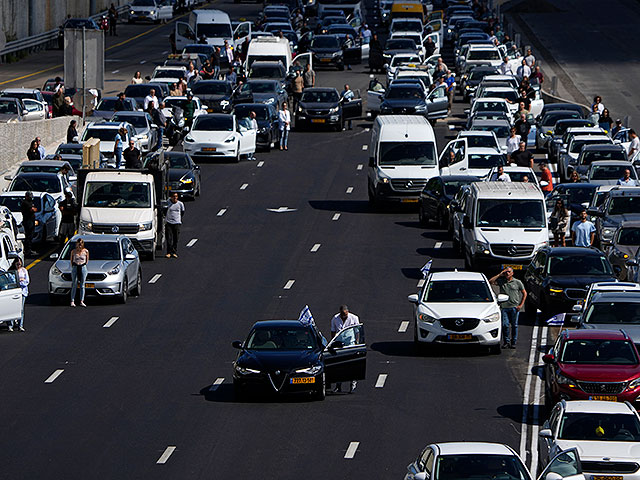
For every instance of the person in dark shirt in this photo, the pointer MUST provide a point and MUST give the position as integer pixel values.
(132, 156)
(523, 127)
(120, 105)
(33, 153)
(522, 157)
(28, 222)
(72, 132)
(69, 209)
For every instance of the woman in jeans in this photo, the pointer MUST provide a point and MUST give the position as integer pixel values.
(79, 260)
(284, 124)
(23, 280)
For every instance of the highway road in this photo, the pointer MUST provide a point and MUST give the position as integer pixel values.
(143, 390)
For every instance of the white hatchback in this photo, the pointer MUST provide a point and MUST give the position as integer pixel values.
(220, 135)
(457, 307)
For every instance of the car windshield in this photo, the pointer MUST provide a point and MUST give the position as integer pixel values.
(143, 3)
(243, 111)
(104, 134)
(325, 42)
(168, 73)
(561, 127)
(195, 48)
(138, 121)
(214, 124)
(280, 338)
(107, 105)
(510, 95)
(75, 149)
(211, 88)
(624, 205)
(480, 141)
(260, 87)
(579, 265)
(577, 195)
(414, 38)
(592, 156)
(328, 96)
(613, 312)
(8, 106)
(481, 106)
(266, 71)
(407, 153)
(478, 75)
(501, 131)
(483, 55)
(141, 90)
(177, 160)
(598, 352)
(404, 93)
(407, 25)
(609, 172)
(447, 291)
(98, 250)
(511, 213)
(629, 236)
(400, 44)
(600, 427)
(214, 30)
(479, 466)
(49, 184)
(576, 145)
(117, 194)
(13, 203)
(451, 187)
(551, 118)
(402, 60)
(486, 160)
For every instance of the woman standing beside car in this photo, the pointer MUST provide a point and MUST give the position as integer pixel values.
(79, 258)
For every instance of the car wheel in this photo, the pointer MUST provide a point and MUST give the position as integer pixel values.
(137, 291)
(373, 201)
(341, 67)
(197, 194)
(125, 292)
(237, 158)
(321, 392)
(421, 217)
(456, 244)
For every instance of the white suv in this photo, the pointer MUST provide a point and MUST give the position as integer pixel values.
(457, 307)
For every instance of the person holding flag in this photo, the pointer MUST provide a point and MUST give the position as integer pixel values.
(340, 321)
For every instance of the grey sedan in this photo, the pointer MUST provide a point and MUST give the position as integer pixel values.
(146, 131)
(113, 270)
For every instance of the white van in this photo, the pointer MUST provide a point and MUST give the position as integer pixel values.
(504, 224)
(403, 156)
(275, 49)
(215, 25)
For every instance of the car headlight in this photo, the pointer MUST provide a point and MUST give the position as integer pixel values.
(333, 110)
(634, 384)
(36, 223)
(421, 108)
(144, 137)
(245, 371)
(310, 370)
(186, 180)
(483, 248)
(492, 318)
(84, 225)
(467, 87)
(224, 103)
(132, 12)
(562, 380)
(263, 130)
(300, 109)
(384, 180)
(423, 317)
(189, 139)
(115, 270)
(231, 139)
(145, 226)
(55, 271)
(607, 233)
(269, 101)
(152, 12)
(336, 54)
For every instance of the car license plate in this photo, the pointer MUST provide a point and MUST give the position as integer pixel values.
(209, 149)
(409, 200)
(606, 398)
(317, 120)
(606, 477)
(459, 336)
(325, 59)
(514, 267)
(89, 285)
(297, 380)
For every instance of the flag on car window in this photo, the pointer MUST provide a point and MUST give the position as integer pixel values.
(305, 316)
(556, 320)
(426, 268)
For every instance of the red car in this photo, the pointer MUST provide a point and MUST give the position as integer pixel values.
(592, 365)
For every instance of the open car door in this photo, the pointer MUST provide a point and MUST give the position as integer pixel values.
(184, 35)
(437, 41)
(457, 163)
(352, 55)
(352, 108)
(165, 11)
(10, 297)
(36, 110)
(437, 103)
(345, 357)
(241, 33)
(374, 96)
(247, 137)
(564, 466)
(300, 62)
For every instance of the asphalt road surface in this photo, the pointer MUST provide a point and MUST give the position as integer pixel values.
(149, 394)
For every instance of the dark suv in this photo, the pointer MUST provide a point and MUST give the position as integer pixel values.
(325, 107)
(557, 278)
(620, 204)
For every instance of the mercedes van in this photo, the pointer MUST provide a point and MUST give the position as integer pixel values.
(214, 26)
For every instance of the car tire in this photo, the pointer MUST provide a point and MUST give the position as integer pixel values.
(373, 201)
(237, 157)
(136, 292)
(341, 67)
(421, 217)
(456, 244)
(321, 393)
(122, 298)
(468, 261)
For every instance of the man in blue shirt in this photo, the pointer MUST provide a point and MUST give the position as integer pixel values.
(451, 85)
(627, 181)
(583, 231)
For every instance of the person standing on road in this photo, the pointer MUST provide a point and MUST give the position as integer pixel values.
(79, 259)
(499, 175)
(347, 95)
(72, 132)
(594, 117)
(69, 209)
(118, 145)
(597, 102)
(546, 177)
(298, 87)
(451, 85)
(40, 148)
(189, 110)
(523, 70)
(626, 180)
(131, 156)
(339, 322)
(574, 177)
(429, 47)
(530, 59)
(161, 121)
(523, 127)
(513, 142)
(215, 62)
(28, 212)
(538, 75)
(113, 19)
(309, 77)
(617, 128)
(231, 77)
(151, 98)
(559, 222)
(119, 106)
(505, 67)
(23, 279)
(175, 212)
(284, 124)
(57, 104)
(33, 153)
(522, 157)
(583, 231)
(137, 79)
(635, 144)
(253, 120)
(514, 289)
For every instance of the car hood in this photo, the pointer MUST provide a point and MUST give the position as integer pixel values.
(393, 52)
(457, 310)
(325, 51)
(578, 281)
(318, 105)
(93, 266)
(630, 250)
(202, 136)
(176, 174)
(633, 330)
(402, 102)
(261, 97)
(285, 360)
(599, 373)
(420, 172)
(597, 451)
(125, 216)
(531, 236)
(615, 220)
(8, 117)
(212, 98)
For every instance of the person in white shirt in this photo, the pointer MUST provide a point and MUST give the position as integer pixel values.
(513, 142)
(284, 125)
(635, 144)
(500, 176)
(523, 70)
(339, 322)
(627, 181)
(530, 59)
(151, 98)
(505, 67)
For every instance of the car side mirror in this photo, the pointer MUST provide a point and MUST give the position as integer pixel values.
(153, 125)
(563, 150)
(129, 256)
(25, 112)
(54, 256)
(539, 270)
(413, 298)
(372, 162)
(466, 222)
(337, 344)
(148, 78)
(545, 433)
(204, 107)
(12, 255)
(503, 298)
(543, 183)
(8, 177)
(549, 358)
(421, 476)
(594, 212)
(20, 236)
(237, 344)
(576, 308)
(467, 111)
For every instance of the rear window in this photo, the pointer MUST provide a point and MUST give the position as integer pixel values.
(483, 55)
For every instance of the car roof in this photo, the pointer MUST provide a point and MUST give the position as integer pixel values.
(612, 162)
(476, 133)
(45, 163)
(491, 122)
(37, 174)
(456, 275)
(109, 125)
(593, 334)
(278, 323)
(130, 113)
(630, 223)
(624, 191)
(578, 251)
(604, 138)
(20, 90)
(613, 296)
(596, 406)
(603, 147)
(570, 186)
(93, 238)
(484, 151)
(457, 178)
(490, 99)
(482, 448)
(21, 193)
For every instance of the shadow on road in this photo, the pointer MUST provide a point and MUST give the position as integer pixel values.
(408, 349)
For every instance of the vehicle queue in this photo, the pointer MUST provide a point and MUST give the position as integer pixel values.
(482, 187)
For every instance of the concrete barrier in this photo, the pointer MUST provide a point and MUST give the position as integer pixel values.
(15, 138)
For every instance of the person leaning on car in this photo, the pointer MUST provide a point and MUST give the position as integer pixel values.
(514, 289)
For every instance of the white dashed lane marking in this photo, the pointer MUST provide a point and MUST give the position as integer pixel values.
(403, 327)
(351, 450)
(289, 284)
(244, 186)
(335, 217)
(381, 379)
(217, 382)
(192, 242)
(221, 212)
(53, 376)
(260, 164)
(349, 189)
(359, 167)
(365, 147)
(111, 321)
(155, 278)
(166, 454)
(438, 245)
(315, 248)
(421, 283)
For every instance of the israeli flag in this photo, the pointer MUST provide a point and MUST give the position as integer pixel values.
(426, 268)
(305, 316)
(557, 320)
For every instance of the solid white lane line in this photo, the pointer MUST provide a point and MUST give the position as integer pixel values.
(217, 382)
(351, 450)
(381, 379)
(115, 71)
(536, 409)
(221, 212)
(244, 186)
(54, 375)
(335, 217)
(155, 278)
(438, 245)
(165, 52)
(260, 164)
(365, 147)
(192, 242)
(359, 167)
(403, 327)
(111, 321)
(289, 284)
(421, 283)
(349, 189)
(525, 397)
(315, 248)
(142, 62)
(166, 454)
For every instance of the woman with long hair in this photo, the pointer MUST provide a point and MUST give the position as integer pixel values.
(79, 259)
(559, 223)
(137, 79)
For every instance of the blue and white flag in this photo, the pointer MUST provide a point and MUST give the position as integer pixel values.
(426, 268)
(305, 316)
(556, 320)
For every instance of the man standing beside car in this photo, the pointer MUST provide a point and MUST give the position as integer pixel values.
(583, 231)
(69, 209)
(514, 289)
(339, 322)
(175, 212)
(28, 222)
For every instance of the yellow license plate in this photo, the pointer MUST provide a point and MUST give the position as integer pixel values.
(514, 267)
(409, 200)
(459, 336)
(208, 149)
(606, 398)
(209, 110)
(297, 380)
(606, 477)
(89, 285)
(325, 59)
(317, 120)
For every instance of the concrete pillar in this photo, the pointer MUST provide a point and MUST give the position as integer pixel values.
(33, 18)
(93, 9)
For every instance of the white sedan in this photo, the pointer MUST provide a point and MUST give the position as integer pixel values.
(457, 308)
(220, 135)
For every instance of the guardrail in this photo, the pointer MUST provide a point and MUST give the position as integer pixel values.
(42, 39)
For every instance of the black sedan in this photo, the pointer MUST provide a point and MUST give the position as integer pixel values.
(558, 278)
(394, 46)
(184, 174)
(323, 106)
(327, 51)
(267, 118)
(437, 195)
(269, 92)
(215, 94)
(287, 356)
(404, 98)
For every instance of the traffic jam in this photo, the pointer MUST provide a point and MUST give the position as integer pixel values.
(539, 197)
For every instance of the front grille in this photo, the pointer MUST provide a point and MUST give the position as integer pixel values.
(576, 293)
(91, 277)
(318, 112)
(459, 324)
(121, 229)
(601, 387)
(403, 110)
(609, 467)
(511, 250)
(408, 185)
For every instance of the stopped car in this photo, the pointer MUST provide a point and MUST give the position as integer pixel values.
(269, 92)
(138, 92)
(107, 106)
(411, 99)
(217, 135)
(288, 356)
(48, 215)
(184, 174)
(470, 82)
(327, 51)
(10, 296)
(267, 118)
(457, 308)
(593, 153)
(150, 10)
(106, 132)
(611, 309)
(394, 46)
(435, 199)
(570, 154)
(558, 277)
(113, 270)
(32, 99)
(216, 94)
(401, 60)
(607, 435)
(52, 183)
(500, 127)
(592, 365)
(325, 107)
(146, 132)
(546, 124)
(620, 204)
(608, 172)
(624, 249)
(12, 110)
